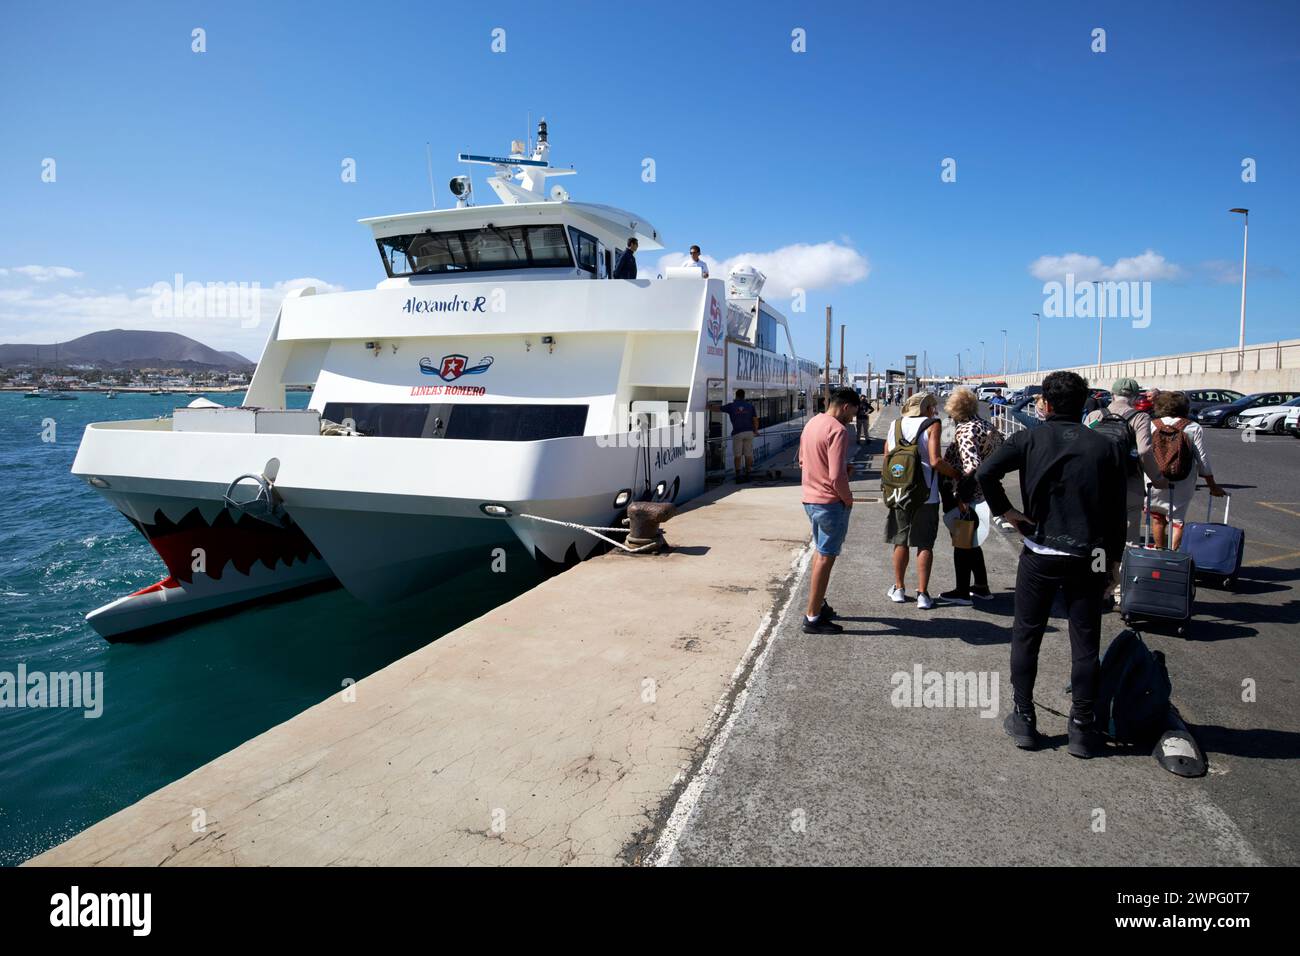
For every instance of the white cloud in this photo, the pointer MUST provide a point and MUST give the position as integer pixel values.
(36, 314)
(800, 266)
(43, 273)
(1149, 266)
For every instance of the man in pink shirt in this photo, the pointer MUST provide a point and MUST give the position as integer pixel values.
(824, 458)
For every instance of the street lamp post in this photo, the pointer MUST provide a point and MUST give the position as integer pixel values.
(1096, 301)
(1241, 333)
(1038, 328)
(1004, 353)
(983, 360)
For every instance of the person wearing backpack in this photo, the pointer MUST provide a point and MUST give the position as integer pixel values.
(1072, 486)
(1130, 429)
(909, 483)
(1178, 446)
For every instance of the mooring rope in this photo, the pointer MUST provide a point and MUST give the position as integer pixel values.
(592, 530)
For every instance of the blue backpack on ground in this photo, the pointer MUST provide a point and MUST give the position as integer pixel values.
(1133, 701)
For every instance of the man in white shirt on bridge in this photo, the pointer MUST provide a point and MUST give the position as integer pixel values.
(696, 262)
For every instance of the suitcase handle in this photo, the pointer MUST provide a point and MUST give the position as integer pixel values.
(1209, 507)
(1146, 525)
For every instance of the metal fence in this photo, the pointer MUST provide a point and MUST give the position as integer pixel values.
(1002, 420)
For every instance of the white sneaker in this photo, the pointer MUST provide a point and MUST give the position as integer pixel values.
(923, 601)
(897, 595)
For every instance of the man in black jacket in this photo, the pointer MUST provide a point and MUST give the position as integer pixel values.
(625, 268)
(1072, 485)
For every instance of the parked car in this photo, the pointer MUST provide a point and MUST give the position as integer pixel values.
(1267, 418)
(1218, 416)
(1026, 392)
(1203, 398)
(1143, 402)
(1293, 422)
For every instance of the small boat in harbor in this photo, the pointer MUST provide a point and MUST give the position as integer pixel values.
(62, 396)
(111, 394)
(36, 393)
(497, 385)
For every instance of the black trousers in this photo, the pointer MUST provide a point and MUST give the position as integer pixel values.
(968, 562)
(1038, 580)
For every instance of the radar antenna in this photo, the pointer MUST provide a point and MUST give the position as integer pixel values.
(519, 177)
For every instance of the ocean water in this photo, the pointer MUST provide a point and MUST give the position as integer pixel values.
(176, 703)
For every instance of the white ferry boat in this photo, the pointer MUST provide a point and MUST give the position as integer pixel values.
(497, 384)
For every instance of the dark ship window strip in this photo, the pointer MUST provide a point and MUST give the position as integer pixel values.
(475, 422)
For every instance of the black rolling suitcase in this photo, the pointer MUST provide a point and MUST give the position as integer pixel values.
(1156, 584)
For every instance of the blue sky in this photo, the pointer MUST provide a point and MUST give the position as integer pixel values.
(225, 165)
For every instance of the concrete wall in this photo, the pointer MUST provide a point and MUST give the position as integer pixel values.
(1259, 368)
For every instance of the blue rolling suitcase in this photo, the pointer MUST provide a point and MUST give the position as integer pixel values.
(1215, 548)
(1156, 584)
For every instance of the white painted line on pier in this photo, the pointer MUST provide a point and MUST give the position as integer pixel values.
(768, 628)
(1225, 833)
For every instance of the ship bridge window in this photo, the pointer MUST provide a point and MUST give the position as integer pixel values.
(483, 249)
(586, 247)
(766, 332)
(489, 422)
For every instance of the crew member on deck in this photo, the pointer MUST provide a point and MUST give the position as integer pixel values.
(744, 426)
(698, 263)
(625, 268)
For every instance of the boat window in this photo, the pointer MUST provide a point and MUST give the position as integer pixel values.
(517, 422)
(766, 332)
(392, 419)
(585, 246)
(469, 250)
(473, 422)
(547, 245)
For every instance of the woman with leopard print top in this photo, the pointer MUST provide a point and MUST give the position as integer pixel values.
(973, 440)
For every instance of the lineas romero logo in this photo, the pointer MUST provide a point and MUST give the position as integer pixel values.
(453, 367)
(715, 320)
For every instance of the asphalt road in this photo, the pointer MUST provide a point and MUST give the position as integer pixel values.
(823, 766)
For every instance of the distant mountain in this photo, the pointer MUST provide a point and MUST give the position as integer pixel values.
(126, 348)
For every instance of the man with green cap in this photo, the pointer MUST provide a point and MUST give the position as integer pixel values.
(1112, 421)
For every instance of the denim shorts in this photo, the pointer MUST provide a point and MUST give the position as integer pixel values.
(829, 525)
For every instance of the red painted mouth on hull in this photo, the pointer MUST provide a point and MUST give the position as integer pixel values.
(167, 582)
(225, 541)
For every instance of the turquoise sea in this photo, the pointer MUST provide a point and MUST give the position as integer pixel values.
(176, 703)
